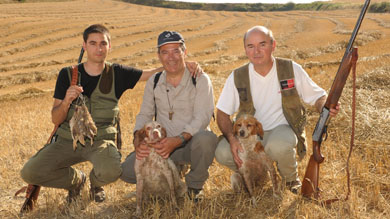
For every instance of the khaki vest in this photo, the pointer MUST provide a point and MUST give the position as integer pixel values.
(103, 106)
(293, 109)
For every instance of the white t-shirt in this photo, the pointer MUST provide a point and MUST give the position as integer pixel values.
(266, 95)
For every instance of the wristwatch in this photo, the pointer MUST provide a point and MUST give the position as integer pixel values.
(183, 140)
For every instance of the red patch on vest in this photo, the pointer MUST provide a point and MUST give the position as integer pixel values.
(287, 84)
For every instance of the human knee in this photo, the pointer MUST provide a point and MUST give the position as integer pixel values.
(26, 174)
(222, 155)
(109, 174)
(128, 172)
(30, 173)
(277, 152)
(206, 142)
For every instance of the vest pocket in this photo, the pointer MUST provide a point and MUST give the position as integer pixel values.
(290, 92)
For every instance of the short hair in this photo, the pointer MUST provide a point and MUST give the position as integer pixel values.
(182, 47)
(262, 29)
(96, 28)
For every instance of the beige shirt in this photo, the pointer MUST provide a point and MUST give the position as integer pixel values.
(192, 105)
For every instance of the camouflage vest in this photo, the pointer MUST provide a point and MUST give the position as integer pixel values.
(103, 106)
(293, 109)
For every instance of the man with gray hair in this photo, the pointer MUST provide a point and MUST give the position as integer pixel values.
(184, 106)
(271, 89)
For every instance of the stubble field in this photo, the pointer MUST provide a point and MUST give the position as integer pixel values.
(38, 39)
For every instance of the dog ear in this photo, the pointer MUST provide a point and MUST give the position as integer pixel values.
(259, 147)
(163, 132)
(139, 136)
(142, 133)
(235, 128)
(259, 130)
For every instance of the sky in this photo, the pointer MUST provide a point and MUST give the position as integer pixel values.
(250, 1)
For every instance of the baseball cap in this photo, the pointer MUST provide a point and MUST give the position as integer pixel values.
(169, 37)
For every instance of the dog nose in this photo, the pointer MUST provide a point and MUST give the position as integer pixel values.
(242, 133)
(156, 134)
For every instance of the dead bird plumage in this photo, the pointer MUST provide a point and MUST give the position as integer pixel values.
(82, 125)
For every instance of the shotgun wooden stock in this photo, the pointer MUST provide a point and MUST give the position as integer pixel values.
(32, 191)
(311, 179)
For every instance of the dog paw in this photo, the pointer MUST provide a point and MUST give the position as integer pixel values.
(137, 215)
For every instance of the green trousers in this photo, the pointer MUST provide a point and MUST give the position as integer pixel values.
(52, 167)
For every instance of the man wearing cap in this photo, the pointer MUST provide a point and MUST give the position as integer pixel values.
(184, 106)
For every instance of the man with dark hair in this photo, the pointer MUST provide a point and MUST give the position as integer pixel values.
(96, 28)
(101, 84)
(183, 106)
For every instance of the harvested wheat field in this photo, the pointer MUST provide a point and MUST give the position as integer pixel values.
(38, 39)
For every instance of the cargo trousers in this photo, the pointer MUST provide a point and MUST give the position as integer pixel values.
(279, 144)
(52, 167)
(198, 153)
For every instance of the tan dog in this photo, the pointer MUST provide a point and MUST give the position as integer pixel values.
(156, 176)
(256, 164)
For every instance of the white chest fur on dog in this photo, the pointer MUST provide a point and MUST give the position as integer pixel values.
(155, 175)
(256, 164)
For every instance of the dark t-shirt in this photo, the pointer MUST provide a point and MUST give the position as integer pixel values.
(125, 78)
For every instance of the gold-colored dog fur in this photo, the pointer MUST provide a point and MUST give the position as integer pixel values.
(256, 164)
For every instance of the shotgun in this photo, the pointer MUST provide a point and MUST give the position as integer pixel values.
(32, 191)
(311, 178)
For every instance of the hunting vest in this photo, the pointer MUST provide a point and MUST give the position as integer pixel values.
(103, 106)
(293, 110)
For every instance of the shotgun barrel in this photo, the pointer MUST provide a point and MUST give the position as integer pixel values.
(311, 178)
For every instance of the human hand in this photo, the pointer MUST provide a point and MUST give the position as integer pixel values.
(236, 147)
(165, 147)
(72, 93)
(194, 68)
(334, 111)
(141, 151)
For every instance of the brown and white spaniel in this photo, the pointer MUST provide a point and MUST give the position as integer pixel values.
(256, 164)
(155, 175)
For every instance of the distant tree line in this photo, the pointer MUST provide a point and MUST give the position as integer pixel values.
(383, 7)
(316, 6)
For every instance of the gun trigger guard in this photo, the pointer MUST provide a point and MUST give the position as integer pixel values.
(326, 132)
